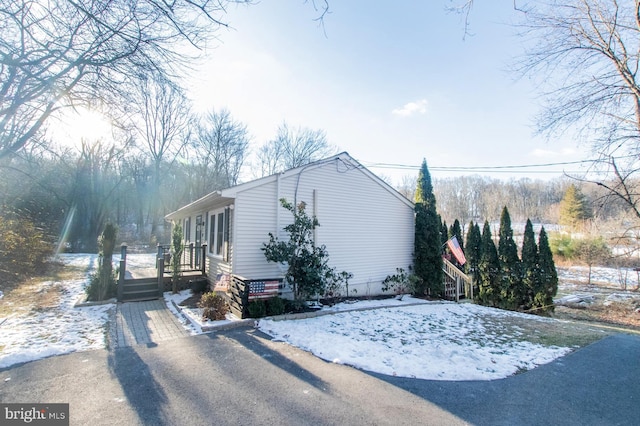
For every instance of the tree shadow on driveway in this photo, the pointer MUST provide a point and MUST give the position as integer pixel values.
(144, 394)
(253, 341)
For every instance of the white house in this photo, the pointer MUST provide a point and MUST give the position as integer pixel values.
(366, 225)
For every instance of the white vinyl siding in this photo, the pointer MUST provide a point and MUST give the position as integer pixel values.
(255, 217)
(367, 229)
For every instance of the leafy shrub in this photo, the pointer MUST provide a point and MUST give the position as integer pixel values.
(275, 306)
(214, 306)
(308, 271)
(401, 282)
(337, 282)
(24, 249)
(257, 309)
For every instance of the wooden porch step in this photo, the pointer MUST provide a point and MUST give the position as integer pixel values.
(140, 285)
(140, 289)
(137, 295)
(140, 299)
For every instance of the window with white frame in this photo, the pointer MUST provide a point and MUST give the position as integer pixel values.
(218, 234)
(187, 229)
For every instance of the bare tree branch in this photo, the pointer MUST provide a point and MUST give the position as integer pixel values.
(66, 53)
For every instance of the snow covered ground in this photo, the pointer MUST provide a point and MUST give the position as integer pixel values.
(435, 341)
(31, 334)
(411, 338)
(608, 285)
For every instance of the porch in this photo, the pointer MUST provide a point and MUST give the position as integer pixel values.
(149, 285)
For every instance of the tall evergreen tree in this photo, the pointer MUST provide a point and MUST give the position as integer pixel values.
(489, 268)
(456, 231)
(530, 269)
(428, 245)
(548, 288)
(444, 233)
(473, 253)
(511, 292)
(574, 208)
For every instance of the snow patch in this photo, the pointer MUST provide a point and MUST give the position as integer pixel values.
(33, 334)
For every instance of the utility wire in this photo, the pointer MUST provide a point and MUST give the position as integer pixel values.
(495, 169)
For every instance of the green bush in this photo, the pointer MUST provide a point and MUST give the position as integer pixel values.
(214, 306)
(562, 245)
(257, 309)
(308, 271)
(401, 283)
(24, 249)
(176, 257)
(96, 282)
(275, 306)
(102, 284)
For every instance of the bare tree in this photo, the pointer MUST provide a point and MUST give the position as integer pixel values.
(93, 192)
(588, 56)
(64, 52)
(221, 147)
(293, 148)
(163, 125)
(407, 186)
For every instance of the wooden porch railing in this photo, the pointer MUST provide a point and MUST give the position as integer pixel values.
(456, 282)
(193, 258)
(141, 288)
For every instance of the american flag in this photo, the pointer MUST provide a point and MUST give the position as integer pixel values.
(263, 289)
(454, 246)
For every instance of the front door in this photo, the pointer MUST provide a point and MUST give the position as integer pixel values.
(198, 242)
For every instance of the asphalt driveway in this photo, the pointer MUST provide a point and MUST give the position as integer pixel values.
(242, 377)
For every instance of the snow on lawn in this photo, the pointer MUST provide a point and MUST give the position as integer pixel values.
(575, 276)
(38, 333)
(435, 341)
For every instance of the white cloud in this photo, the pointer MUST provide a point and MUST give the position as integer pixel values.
(542, 153)
(411, 108)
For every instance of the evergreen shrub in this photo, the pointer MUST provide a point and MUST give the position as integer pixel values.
(275, 306)
(257, 309)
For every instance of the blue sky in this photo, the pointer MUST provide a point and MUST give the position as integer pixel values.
(389, 82)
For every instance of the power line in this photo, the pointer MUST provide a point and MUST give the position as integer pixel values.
(494, 169)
